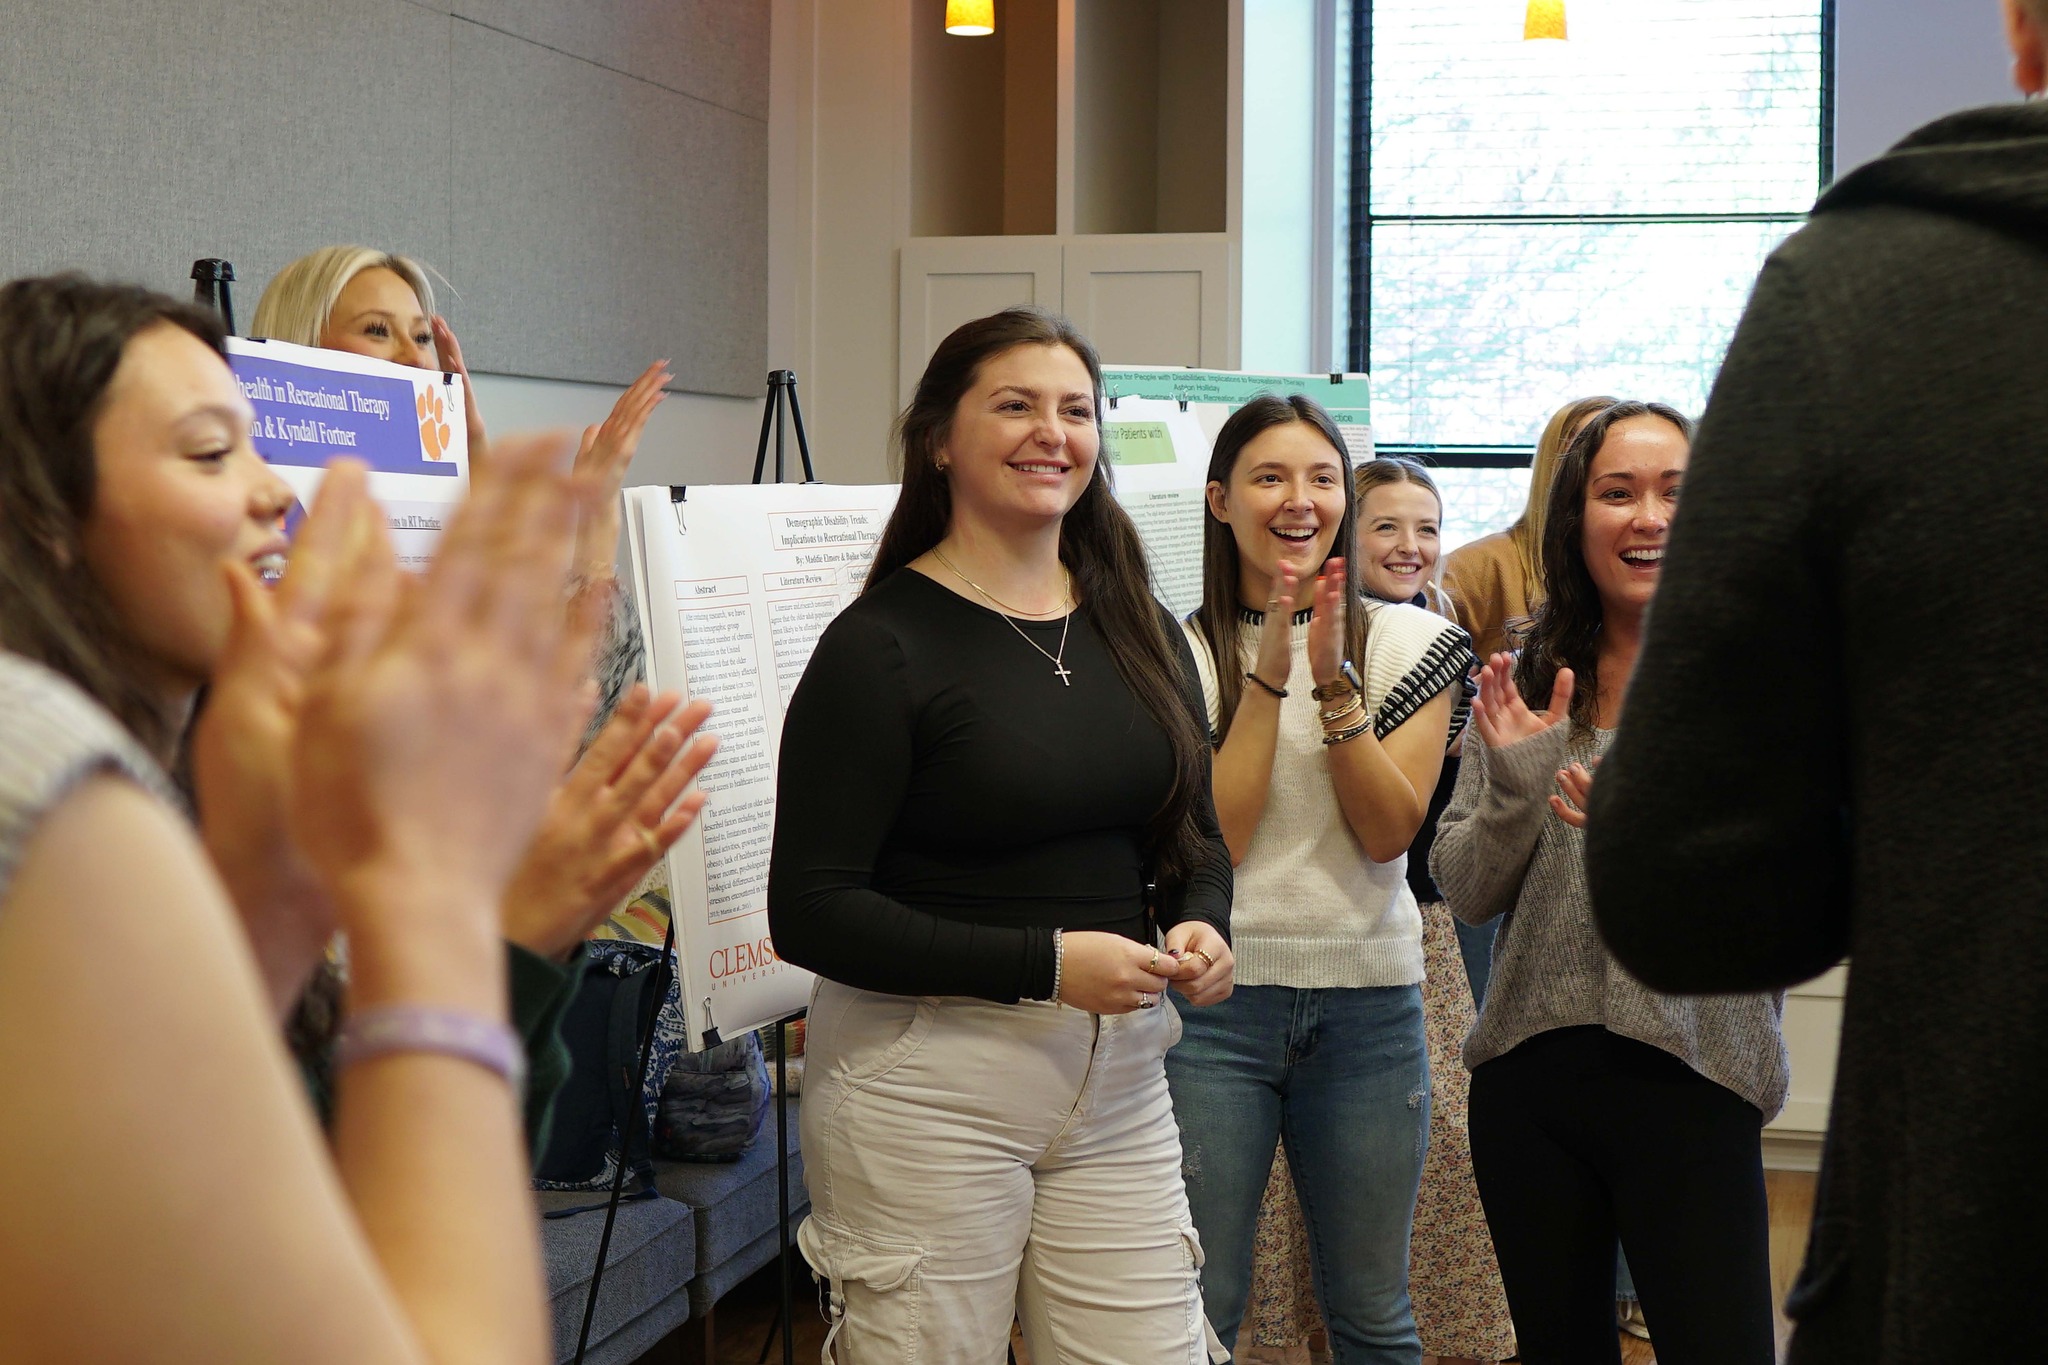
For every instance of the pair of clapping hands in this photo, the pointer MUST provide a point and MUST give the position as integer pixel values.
(1503, 718)
(367, 729)
(1273, 660)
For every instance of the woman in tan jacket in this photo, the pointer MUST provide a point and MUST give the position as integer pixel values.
(1495, 579)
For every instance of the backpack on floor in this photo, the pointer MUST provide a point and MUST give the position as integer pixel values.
(600, 1115)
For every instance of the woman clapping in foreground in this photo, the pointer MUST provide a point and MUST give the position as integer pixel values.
(405, 776)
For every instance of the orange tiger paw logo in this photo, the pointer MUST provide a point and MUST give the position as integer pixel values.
(434, 433)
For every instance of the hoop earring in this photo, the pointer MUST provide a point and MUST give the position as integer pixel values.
(941, 465)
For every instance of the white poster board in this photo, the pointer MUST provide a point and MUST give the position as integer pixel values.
(1160, 455)
(408, 425)
(734, 586)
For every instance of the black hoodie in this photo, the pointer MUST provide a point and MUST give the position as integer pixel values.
(1837, 734)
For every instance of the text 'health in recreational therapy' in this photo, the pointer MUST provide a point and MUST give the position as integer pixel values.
(308, 416)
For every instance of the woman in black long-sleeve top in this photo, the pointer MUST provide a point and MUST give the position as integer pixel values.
(992, 753)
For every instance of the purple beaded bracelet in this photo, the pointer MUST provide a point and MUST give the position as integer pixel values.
(422, 1028)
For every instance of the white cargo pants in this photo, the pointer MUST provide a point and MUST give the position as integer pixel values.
(969, 1162)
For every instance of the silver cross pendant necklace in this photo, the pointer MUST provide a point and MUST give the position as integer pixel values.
(1005, 610)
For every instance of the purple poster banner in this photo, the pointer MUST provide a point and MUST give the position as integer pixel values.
(306, 416)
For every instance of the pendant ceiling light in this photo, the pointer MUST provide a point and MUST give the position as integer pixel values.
(1544, 20)
(976, 18)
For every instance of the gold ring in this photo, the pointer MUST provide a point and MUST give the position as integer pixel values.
(1153, 965)
(652, 844)
(1207, 961)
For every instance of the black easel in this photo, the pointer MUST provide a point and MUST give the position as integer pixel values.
(212, 277)
(781, 389)
(781, 394)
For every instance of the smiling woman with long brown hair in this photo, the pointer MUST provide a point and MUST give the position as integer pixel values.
(990, 755)
(1599, 1106)
(1330, 714)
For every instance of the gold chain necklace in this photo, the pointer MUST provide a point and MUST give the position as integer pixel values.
(1004, 610)
(1014, 611)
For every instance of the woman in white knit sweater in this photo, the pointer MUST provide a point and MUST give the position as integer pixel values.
(1329, 740)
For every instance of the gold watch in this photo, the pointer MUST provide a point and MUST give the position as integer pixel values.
(1347, 682)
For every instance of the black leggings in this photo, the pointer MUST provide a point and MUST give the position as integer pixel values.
(1579, 1134)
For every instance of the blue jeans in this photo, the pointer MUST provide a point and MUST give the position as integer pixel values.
(1343, 1077)
(1475, 945)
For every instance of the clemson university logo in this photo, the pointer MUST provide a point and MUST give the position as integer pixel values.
(434, 433)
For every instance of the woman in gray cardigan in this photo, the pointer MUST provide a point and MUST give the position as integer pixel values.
(1599, 1106)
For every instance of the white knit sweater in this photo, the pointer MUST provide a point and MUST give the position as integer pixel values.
(1311, 908)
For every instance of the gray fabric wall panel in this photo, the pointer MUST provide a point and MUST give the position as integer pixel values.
(716, 50)
(589, 219)
(136, 135)
(600, 221)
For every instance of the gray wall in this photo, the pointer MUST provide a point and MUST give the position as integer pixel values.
(1902, 63)
(589, 175)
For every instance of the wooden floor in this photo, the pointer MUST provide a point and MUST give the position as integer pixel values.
(742, 1327)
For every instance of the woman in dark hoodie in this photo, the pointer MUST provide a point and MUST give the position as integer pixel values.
(1805, 763)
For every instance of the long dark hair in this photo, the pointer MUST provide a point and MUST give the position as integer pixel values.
(1217, 618)
(61, 339)
(1564, 630)
(1098, 544)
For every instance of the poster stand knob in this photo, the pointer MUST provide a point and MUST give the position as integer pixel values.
(212, 277)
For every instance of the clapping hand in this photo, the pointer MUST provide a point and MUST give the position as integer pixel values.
(610, 820)
(1326, 625)
(1499, 712)
(1274, 658)
(242, 744)
(602, 460)
(449, 352)
(1576, 781)
(417, 784)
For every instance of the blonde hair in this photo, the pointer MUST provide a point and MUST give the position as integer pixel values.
(1527, 532)
(1390, 469)
(300, 298)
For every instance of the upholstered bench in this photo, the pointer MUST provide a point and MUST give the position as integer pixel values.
(652, 1257)
(735, 1204)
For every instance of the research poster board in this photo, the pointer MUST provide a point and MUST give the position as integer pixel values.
(1159, 458)
(734, 586)
(408, 425)
(1214, 394)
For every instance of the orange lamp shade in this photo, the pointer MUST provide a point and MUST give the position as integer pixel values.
(1545, 20)
(971, 18)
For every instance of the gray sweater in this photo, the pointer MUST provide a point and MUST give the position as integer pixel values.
(52, 738)
(1829, 746)
(1500, 850)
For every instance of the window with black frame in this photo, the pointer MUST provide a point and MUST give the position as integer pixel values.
(1534, 221)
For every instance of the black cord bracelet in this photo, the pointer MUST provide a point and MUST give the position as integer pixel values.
(1280, 692)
